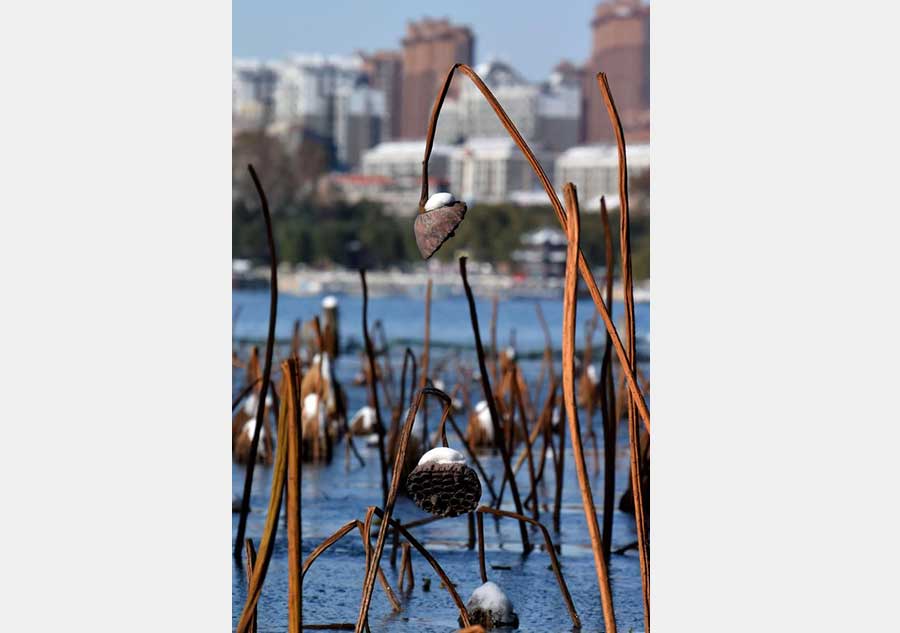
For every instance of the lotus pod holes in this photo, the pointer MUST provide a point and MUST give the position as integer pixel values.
(436, 224)
(443, 484)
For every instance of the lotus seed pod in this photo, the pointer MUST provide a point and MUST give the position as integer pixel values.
(443, 213)
(490, 607)
(483, 414)
(443, 485)
(363, 421)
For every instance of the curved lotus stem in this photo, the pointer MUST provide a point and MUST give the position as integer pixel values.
(643, 531)
(266, 543)
(551, 550)
(448, 584)
(334, 538)
(583, 267)
(399, 460)
(267, 368)
(568, 372)
(492, 406)
(373, 385)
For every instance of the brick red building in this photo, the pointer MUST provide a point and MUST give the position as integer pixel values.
(429, 49)
(621, 49)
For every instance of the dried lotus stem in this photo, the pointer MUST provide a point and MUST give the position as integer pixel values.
(291, 372)
(643, 531)
(266, 543)
(445, 580)
(492, 407)
(517, 395)
(407, 580)
(251, 563)
(583, 266)
(399, 460)
(608, 398)
(334, 538)
(568, 369)
(551, 550)
(373, 389)
(267, 370)
(425, 359)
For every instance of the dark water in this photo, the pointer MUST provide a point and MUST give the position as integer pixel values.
(334, 494)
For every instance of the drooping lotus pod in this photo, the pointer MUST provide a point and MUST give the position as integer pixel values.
(443, 213)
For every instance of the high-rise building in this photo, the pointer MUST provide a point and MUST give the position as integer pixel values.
(621, 49)
(252, 94)
(385, 72)
(594, 170)
(330, 98)
(430, 48)
(491, 169)
(547, 113)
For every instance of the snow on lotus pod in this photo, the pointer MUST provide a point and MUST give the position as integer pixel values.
(442, 483)
(443, 213)
(490, 607)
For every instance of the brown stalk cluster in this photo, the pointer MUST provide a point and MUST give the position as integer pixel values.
(448, 490)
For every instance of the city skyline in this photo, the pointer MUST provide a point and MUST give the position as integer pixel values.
(277, 30)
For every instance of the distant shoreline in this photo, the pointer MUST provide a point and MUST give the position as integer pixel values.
(395, 282)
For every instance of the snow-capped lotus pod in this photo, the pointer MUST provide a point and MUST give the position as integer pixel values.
(483, 414)
(250, 429)
(592, 374)
(442, 483)
(490, 607)
(363, 420)
(443, 213)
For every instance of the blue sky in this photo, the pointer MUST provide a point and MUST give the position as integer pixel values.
(533, 36)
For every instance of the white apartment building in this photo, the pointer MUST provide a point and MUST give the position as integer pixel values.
(402, 160)
(594, 170)
(326, 96)
(492, 169)
(547, 113)
(252, 94)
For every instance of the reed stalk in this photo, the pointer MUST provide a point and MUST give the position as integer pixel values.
(547, 360)
(492, 407)
(628, 289)
(608, 398)
(583, 266)
(568, 369)
(407, 580)
(291, 372)
(267, 369)
(494, 356)
(340, 533)
(399, 460)
(425, 359)
(267, 542)
(373, 390)
(251, 563)
(517, 396)
(548, 543)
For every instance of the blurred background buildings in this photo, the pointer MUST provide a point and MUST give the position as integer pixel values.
(367, 113)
